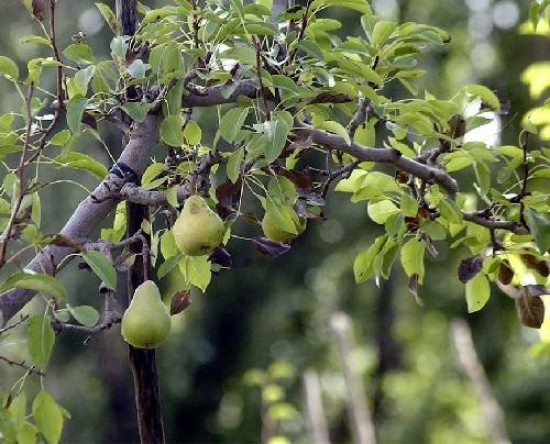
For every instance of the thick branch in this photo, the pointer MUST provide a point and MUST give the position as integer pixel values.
(89, 213)
(132, 193)
(383, 155)
(218, 95)
(479, 219)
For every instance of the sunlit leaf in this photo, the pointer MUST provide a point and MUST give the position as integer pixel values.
(40, 340)
(478, 292)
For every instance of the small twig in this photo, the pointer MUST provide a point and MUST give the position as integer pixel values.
(524, 137)
(481, 219)
(7, 233)
(24, 365)
(339, 173)
(360, 116)
(110, 317)
(259, 70)
(13, 325)
(59, 75)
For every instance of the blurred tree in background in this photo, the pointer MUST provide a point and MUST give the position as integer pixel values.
(234, 368)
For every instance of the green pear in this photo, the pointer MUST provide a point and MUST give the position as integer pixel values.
(198, 229)
(146, 322)
(275, 233)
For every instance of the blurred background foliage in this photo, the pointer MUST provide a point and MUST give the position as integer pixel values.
(232, 369)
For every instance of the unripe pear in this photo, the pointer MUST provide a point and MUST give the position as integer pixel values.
(198, 229)
(146, 322)
(275, 233)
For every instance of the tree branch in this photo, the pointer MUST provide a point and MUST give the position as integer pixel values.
(89, 213)
(382, 155)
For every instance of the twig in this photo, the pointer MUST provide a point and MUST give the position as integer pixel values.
(24, 365)
(13, 325)
(381, 155)
(363, 428)
(360, 116)
(89, 213)
(480, 219)
(7, 233)
(110, 317)
(469, 361)
(260, 81)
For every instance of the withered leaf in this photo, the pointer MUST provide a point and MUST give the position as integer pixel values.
(221, 257)
(469, 267)
(534, 263)
(180, 301)
(269, 247)
(530, 311)
(413, 288)
(38, 9)
(505, 273)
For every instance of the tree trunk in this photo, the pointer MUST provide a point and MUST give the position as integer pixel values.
(143, 362)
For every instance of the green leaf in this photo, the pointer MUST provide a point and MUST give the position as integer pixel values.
(42, 283)
(82, 162)
(246, 55)
(540, 229)
(75, 112)
(363, 266)
(40, 340)
(379, 212)
(172, 196)
(232, 122)
(109, 16)
(450, 211)
(282, 190)
(356, 5)
(137, 69)
(136, 110)
(27, 434)
(412, 258)
(168, 265)
(168, 246)
(119, 46)
(234, 163)
(196, 271)
(382, 31)
(192, 133)
(36, 39)
(9, 68)
(84, 314)
(48, 416)
(79, 83)
(409, 205)
(478, 292)
(276, 132)
(484, 94)
(311, 48)
(336, 128)
(170, 130)
(283, 215)
(80, 53)
(101, 266)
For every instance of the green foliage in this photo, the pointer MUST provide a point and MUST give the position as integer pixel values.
(291, 91)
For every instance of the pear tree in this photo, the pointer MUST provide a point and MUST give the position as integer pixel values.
(301, 112)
